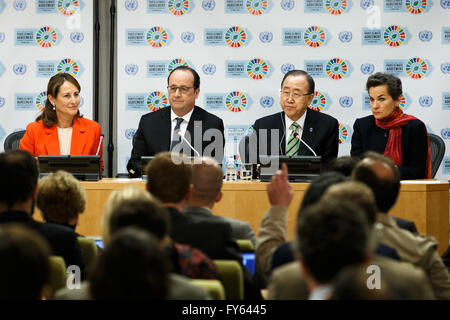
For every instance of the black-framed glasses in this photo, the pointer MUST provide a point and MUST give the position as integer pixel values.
(173, 89)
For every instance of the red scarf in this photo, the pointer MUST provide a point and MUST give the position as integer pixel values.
(393, 150)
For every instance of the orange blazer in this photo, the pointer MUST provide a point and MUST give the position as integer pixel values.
(40, 139)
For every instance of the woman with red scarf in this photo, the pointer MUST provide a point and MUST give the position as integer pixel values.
(389, 131)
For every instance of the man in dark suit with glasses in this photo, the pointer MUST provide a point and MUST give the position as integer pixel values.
(182, 127)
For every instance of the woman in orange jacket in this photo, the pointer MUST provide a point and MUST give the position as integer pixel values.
(61, 129)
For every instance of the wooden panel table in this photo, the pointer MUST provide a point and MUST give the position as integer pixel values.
(426, 202)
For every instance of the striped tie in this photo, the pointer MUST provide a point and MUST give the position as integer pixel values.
(294, 141)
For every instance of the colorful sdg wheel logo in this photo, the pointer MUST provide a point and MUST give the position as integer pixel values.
(394, 36)
(416, 6)
(40, 100)
(256, 7)
(68, 7)
(314, 37)
(46, 37)
(157, 37)
(156, 100)
(336, 7)
(402, 104)
(68, 66)
(236, 101)
(178, 7)
(343, 133)
(235, 37)
(176, 63)
(257, 69)
(319, 102)
(336, 68)
(416, 68)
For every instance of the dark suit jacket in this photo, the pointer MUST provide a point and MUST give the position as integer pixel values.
(211, 235)
(320, 132)
(368, 136)
(62, 240)
(154, 135)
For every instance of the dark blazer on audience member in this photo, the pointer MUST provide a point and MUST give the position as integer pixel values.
(211, 235)
(62, 240)
(239, 229)
(367, 136)
(154, 135)
(320, 132)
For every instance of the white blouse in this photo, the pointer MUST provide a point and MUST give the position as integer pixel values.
(65, 139)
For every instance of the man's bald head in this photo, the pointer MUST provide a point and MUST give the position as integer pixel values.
(382, 176)
(207, 181)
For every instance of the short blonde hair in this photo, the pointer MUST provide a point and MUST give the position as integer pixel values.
(60, 197)
(117, 197)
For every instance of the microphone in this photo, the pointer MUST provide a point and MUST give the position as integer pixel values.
(100, 143)
(190, 146)
(297, 136)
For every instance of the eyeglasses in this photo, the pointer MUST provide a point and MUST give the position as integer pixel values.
(295, 95)
(173, 89)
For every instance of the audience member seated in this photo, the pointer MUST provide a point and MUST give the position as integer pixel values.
(330, 235)
(287, 282)
(132, 207)
(207, 180)
(132, 266)
(24, 267)
(344, 165)
(169, 179)
(138, 208)
(383, 177)
(61, 198)
(18, 189)
(272, 250)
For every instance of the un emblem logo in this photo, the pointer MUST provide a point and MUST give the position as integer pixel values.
(208, 5)
(287, 5)
(266, 102)
(366, 4)
(345, 36)
(19, 69)
(266, 37)
(129, 133)
(131, 69)
(425, 35)
(445, 68)
(131, 5)
(20, 5)
(445, 133)
(285, 68)
(346, 102)
(2, 101)
(209, 69)
(367, 68)
(77, 37)
(187, 37)
(445, 4)
(426, 101)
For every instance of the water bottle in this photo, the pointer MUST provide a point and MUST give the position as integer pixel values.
(231, 170)
(237, 164)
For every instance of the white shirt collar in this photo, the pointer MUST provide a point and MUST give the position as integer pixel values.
(184, 124)
(300, 121)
